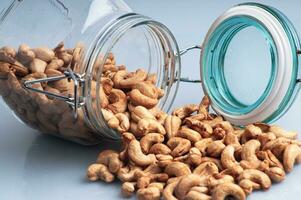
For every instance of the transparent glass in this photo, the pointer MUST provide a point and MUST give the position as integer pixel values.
(83, 34)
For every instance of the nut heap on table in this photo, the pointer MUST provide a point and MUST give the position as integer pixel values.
(195, 155)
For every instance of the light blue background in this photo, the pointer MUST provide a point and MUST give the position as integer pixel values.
(38, 167)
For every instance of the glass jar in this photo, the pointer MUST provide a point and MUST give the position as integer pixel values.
(98, 28)
(83, 34)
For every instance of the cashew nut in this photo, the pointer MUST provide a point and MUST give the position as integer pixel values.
(179, 146)
(279, 132)
(276, 174)
(190, 134)
(150, 193)
(226, 190)
(206, 169)
(121, 81)
(110, 159)
(159, 148)
(149, 139)
(172, 124)
(256, 176)
(140, 112)
(147, 125)
(177, 169)
(290, 155)
(136, 155)
(185, 111)
(128, 189)
(215, 148)
(99, 171)
(118, 101)
(248, 154)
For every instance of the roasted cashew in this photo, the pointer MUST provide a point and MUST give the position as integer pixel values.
(44, 53)
(126, 139)
(136, 155)
(152, 78)
(276, 174)
(110, 159)
(270, 158)
(149, 139)
(138, 98)
(279, 132)
(185, 111)
(232, 139)
(187, 182)
(248, 186)
(107, 85)
(144, 181)
(177, 169)
(140, 112)
(164, 160)
(290, 156)
(197, 117)
(128, 174)
(248, 154)
(251, 132)
(189, 134)
(203, 144)
(227, 157)
(149, 193)
(204, 106)
(256, 176)
(161, 116)
(226, 190)
(179, 146)
(159, 148)
(206, 169)
(215, 161)
(123, 122)
(168, 192)
(99, 171)
(204, 129)
(147, 125)
(128, 189)
(193, 158)
(172, 124)
(121, 81)
(222, 129)
(118, 101)
(147, 89)
(215, 148)
(218, 179)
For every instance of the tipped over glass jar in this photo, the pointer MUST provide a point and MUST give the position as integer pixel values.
(77, 73)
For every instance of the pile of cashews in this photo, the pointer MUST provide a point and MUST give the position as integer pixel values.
(195, 155)
(48, 115)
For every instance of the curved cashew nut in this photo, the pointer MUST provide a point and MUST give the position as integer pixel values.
(203, 144)
(140, 112)
(144, 181)
(168, 192)
(270, 158)
(147, 125)
(189, 134)
(187, 182)
(217, 180)
(251, 132)
(127, 174)
(232, 139)
(136, 155)
(276, 174)
(248, 154)
(177, 169)
(128, 189)
(123, 122)
(138, 98)
(122, 81)
(256, 176)
(159, 148)
(279, 132)
(118, 101)
(290, 155)
(149, 139)
(193, 158)
(206, 169)
(225, 190)
(204, 106)
(215, 148)
(248, 186)
(164, 160)
(99, 171)
(147, 89)
(204, 129)
(110, 159)
(179, 146)
(185, 111)
(227, 157)
(215, 161)
(172, 124)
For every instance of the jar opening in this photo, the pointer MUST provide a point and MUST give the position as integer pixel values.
(138, 43)
(282, 44)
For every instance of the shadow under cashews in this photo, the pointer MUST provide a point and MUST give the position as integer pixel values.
(58, 167)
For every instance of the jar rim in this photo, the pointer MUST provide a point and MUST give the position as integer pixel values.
(103, 46)
(283, 42)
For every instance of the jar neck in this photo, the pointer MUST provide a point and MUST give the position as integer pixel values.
(163, 59)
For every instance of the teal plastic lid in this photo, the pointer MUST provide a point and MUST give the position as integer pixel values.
(283, 43)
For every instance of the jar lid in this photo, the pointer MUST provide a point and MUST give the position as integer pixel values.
(283, 43)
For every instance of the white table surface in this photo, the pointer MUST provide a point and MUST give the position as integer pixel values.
(38, 167)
